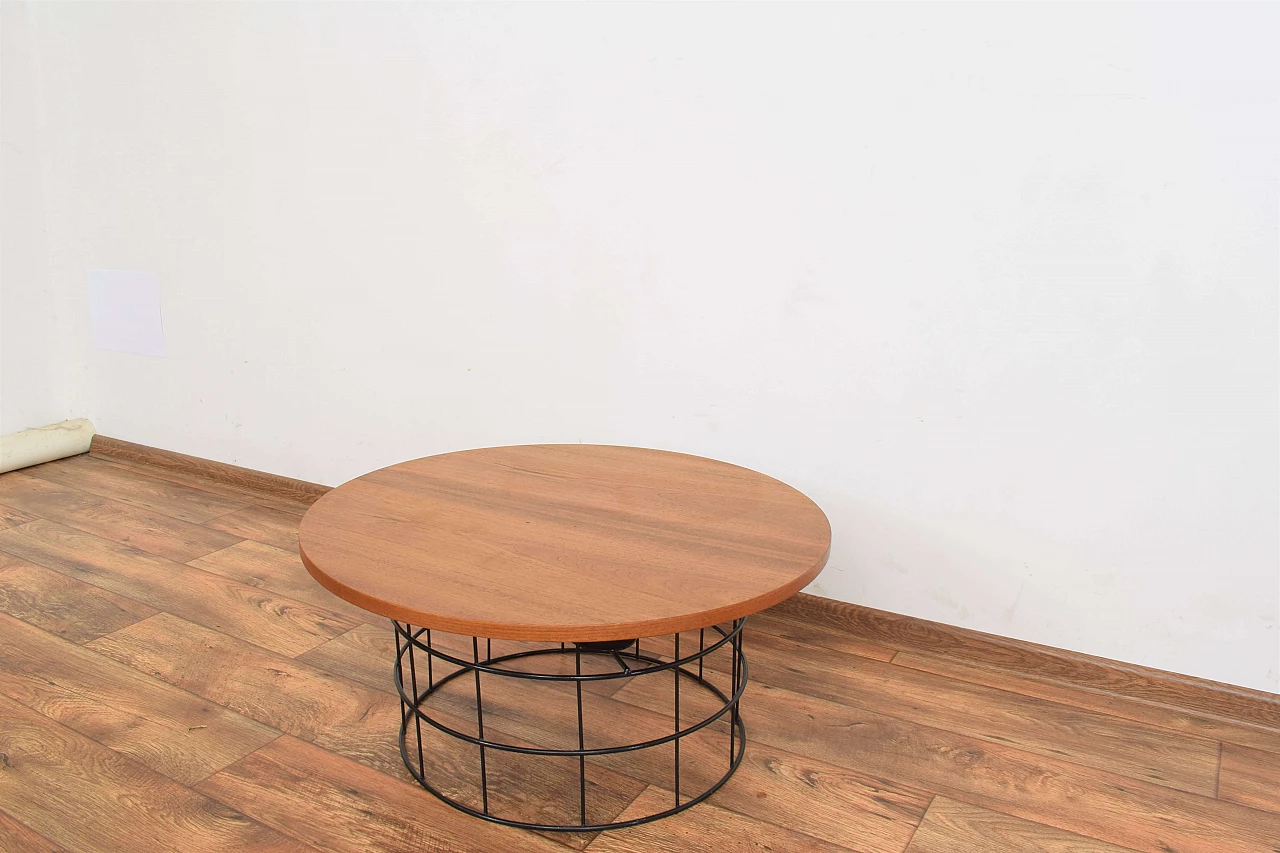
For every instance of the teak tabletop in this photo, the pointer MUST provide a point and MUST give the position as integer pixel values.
(564, 542)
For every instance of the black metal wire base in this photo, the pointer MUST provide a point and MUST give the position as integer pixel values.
(630, 663)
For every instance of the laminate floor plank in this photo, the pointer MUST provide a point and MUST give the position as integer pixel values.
(12, 517)
(365, 655)
(1035, 725)
(169, 730)
(1250, 777)
(1098, 804)
(274, 570)
(107, 480)
(62, 605)
(90, 799)
(330, 711)
(263, 524)
(340, 806)
(1164, 716)
(17, 837)
(953, 827)
(144, 529)
(273, 622)
(275, 690)
(704, 829)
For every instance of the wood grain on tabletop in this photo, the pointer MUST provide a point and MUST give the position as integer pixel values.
(564, 542)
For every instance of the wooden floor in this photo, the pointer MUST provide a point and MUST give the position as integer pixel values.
(171, 679)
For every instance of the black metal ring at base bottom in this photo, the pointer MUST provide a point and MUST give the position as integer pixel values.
(413, 713)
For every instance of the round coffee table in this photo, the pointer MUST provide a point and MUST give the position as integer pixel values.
(584, 550)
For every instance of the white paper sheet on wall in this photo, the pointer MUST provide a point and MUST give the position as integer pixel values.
(124, 312)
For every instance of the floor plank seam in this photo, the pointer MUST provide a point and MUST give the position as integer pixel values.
(292, 836)
(219, 551)
(284, 598)
(195, 786)
(147, 769)
(919, 823)
(169, 684)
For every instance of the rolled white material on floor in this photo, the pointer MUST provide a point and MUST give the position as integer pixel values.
(44, 444)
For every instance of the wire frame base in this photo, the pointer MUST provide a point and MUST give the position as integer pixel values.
(625, 660)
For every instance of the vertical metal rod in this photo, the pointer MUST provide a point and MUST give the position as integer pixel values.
(484, 776)
(400, 664)
(431, 681)
(702, 642)
(488, 649)
(582, 759)
(413, 676)
(733, 690)
(676, 670)
(742, 660)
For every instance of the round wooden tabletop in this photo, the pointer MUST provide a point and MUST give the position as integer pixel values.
(564, 542)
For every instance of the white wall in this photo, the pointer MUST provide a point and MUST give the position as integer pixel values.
(42, 362)
(996, 285)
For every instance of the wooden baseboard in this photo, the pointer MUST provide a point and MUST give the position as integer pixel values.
(274, 485)
(1237, 704)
